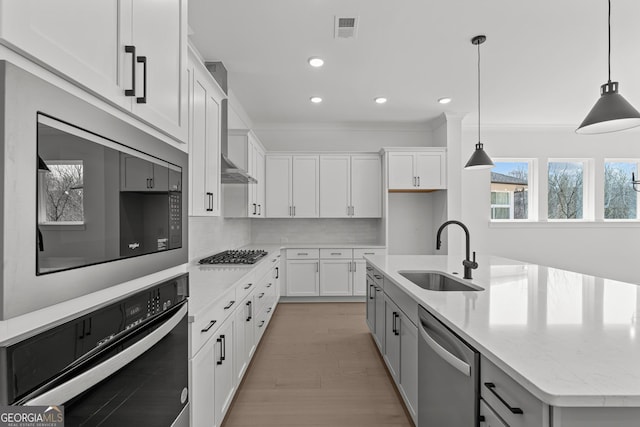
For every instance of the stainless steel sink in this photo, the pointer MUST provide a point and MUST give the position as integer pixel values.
(433, 281)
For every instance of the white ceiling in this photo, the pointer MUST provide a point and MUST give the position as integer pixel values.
(543, 62)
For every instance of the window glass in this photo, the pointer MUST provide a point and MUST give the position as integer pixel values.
(620, 200)
(63, 192)
(565, 190)
(510, 190)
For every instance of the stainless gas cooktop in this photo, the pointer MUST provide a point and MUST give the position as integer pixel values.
(249, 256)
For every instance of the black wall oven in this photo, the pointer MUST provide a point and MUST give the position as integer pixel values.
(123, 365)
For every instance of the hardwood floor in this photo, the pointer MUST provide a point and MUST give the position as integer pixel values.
(317, 365)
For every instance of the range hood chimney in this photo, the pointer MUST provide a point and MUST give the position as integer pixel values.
(229, 172)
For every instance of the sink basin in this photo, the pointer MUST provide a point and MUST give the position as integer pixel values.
(433, 281)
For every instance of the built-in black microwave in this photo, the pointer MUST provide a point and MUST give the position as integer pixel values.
(99, 200)
(91, 199)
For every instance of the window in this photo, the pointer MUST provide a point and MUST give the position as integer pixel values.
(510, 190)
(61, 199)
(566, 190)
(620, 200)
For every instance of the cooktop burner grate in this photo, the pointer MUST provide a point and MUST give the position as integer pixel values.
(245, 256)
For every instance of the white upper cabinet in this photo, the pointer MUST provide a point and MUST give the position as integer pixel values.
(350, 186)
(366, 186)
(246, 152)
(205, 99)
(335, 186)
(293, 186)
(99, 45)
(417, 170)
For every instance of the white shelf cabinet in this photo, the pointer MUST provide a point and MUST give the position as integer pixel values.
(350, 186)
(246, 200)
(417, 170)
(91, 51)
(293, 186)
(205, 99)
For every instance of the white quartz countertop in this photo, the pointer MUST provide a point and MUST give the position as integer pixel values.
(569, 338)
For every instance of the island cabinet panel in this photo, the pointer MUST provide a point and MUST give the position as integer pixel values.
(510, 400)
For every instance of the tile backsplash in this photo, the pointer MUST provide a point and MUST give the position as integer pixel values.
(317, 230)
(209, 235)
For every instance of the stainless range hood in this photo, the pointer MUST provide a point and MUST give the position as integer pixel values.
(229, 172)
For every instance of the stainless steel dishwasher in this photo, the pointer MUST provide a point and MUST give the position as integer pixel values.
(448, 370)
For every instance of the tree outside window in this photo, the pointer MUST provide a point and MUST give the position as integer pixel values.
(620, 200)
(62, 193)
(565, 190)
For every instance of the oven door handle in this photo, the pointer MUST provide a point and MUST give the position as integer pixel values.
(84, 381)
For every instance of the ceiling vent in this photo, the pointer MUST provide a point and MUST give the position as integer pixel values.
(346, 27)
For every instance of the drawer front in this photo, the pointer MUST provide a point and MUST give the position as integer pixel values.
(360, 253)
(303, 253)
(336, 253)
(488, 417)
(375, 275)
(205, 326)
(515, 405)
(404, 302)
(262, 320)
(245, 287)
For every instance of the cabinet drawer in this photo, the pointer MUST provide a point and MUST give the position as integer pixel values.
(488, 417)
(515, 405)
(404, 302)
(207, 323)
(360, 253)
(336, 253)
(303, 253)
(245, 287)
(375, 275)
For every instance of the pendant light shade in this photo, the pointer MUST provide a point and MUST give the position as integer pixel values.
(479, 159)
(612, 112)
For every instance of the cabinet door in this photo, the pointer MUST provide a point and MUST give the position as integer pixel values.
(335, 188)
(77, 38)
(336, 277)
(366, 187)
(159, 33)
(371, 305)
(135, 173)
(202, 386)
(224, 378)
(392, 339)
(401, 173)
(430, 170)
(306, 186)
(278, 186)
(408, 378)
(204, 145)
(491, 419)
(359, 277)
(380, 318)
(240, 357)
(303, 278)
(260, 186)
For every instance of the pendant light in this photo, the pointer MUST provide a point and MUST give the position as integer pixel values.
(611, 112)
(479, 159)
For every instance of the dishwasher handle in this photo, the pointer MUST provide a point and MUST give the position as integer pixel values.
(452, 360)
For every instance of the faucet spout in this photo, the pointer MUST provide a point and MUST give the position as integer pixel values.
(468, 263)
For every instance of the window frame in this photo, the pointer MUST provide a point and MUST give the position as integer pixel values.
(532, 190)
(588, 180)
(635, 161)
(42, 200)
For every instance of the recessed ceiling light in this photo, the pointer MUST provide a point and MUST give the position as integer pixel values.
(314, 61)
(316, 99)
(444, 100)
(380, 100)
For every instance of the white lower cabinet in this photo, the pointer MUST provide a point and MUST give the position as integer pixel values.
(336, 277)
(303, 277)
(202, 394)
(224, 378)
(371, 304)
(243, 337)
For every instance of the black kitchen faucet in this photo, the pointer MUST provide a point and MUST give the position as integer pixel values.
(467, 263)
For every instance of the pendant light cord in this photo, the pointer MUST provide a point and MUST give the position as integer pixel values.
(609, 52)
(479, 92)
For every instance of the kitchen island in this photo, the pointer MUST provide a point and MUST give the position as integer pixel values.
(566, 338)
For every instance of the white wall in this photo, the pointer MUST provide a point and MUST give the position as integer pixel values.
(606, 250)
(347, 138)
